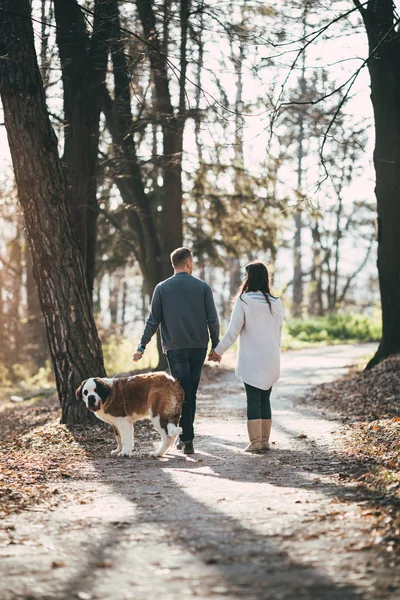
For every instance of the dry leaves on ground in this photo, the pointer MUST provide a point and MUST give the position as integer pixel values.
(37, 452)
(372, 400)
(370, 395)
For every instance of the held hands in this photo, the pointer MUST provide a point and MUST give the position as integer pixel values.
(214, 357)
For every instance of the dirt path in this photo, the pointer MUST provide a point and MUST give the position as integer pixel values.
(221, 524)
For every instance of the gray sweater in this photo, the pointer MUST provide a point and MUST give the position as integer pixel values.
(184, 307)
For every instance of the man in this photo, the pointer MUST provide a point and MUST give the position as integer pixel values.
(184, 307)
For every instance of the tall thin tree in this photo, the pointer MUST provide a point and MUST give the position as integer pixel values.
(381, 23)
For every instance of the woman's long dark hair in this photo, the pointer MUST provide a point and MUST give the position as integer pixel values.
(257, 280)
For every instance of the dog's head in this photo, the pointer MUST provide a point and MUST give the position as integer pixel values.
(93, 392)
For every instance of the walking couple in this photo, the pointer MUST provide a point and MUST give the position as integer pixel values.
(184, 308)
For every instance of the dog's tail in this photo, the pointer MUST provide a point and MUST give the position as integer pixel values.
(173, 430)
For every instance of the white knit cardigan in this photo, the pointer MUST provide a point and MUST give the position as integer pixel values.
(259, 331)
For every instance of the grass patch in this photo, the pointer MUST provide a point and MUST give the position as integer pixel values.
(330, 329)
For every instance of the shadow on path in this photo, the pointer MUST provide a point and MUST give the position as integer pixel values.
(218, 554)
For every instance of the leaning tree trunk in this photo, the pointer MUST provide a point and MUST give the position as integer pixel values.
(384, 44)
(58, 269)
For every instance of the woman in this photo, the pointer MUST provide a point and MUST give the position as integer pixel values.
(257, 319)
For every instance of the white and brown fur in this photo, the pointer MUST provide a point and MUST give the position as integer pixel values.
(123, 401)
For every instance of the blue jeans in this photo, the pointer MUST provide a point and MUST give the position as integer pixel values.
(186, 366)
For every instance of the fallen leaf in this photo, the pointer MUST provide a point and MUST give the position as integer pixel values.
(104, 564)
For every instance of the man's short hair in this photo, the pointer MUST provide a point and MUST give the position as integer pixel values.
(180, 256)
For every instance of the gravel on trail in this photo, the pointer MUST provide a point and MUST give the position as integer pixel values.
(220, 524)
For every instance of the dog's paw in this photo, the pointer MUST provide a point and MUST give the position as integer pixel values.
(124, 454)
(155, 455)
(115, 452)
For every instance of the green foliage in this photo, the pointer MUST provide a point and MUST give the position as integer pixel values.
(44, 377)
(27, 375)
(332, 328)
(22, 379)
(4, 375)
(118, 351)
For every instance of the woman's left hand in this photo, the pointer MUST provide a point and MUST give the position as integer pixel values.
(214, 356)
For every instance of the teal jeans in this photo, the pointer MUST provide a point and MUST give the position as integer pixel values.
(258, 403)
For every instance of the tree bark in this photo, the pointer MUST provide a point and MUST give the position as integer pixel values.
(14, 310)
(172, 127)
(3, 330)
(315, 301)
(83, 66)
(57, 263)
(128, 176)
(200, 177)
(36, 325)
(333, 304)
(154, 241)
(384, 43)
(298, 294)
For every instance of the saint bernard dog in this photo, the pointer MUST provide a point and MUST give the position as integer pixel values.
(122, 401)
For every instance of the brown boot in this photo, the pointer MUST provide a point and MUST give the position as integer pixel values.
(254, 430)
(265, 433)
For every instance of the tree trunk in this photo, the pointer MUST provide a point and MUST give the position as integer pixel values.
(315, 301)
(200, 178)
(298, 221)
(172, 196)
(153, 247)
(312, 291)
(297, 268)
(124, 303)
(83, 65)
(14, 312)
(3, 333)
(379, 19)
(36, 325)
(46, 19)
(172, 127)
(235, 275)
(57, 263)
(298, 225)
(333, 304)
(128, 176)
(113, 292)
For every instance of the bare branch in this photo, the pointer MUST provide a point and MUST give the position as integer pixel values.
(9, 267)
(117, 226)
(354, 77)
(356, 272)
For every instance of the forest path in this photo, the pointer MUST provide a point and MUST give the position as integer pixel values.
(219, 524)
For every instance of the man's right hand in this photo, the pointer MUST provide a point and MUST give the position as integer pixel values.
(214, 356)
(137, 356)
